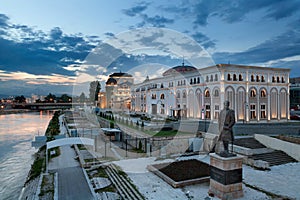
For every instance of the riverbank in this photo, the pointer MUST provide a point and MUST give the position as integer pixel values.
(30, 189)
(15, 111)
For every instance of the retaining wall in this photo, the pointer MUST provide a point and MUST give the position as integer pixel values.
(289, 148)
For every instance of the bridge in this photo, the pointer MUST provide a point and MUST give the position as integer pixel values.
(45, 106)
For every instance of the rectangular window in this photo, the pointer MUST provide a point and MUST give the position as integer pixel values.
(217, 111)
(263, 113)
(207, 111)
(252, 111)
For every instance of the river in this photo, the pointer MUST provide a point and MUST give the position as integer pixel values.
(16, 154)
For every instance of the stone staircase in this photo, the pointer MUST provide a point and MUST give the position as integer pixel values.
(122, 184)
(258, 155)
(274, 158)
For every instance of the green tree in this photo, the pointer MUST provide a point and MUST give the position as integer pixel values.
(50, 98)
(95, 88)
(82, 97)
(65, 98)
(20, 99)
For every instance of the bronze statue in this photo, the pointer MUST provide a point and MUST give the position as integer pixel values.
(226, 122)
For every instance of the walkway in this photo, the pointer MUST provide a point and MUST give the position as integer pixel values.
(72, 184)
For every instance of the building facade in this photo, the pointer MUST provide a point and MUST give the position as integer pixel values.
(118, 91)
(295, 93)
(255, 93)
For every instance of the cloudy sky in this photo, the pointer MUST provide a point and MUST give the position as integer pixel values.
(44, 45)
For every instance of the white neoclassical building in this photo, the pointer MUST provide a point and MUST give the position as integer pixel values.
(257, 94)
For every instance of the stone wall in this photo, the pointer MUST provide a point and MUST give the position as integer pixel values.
(289, 148)
(243, 129)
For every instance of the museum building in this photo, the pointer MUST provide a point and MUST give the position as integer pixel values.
(257, 94)
(118, 91)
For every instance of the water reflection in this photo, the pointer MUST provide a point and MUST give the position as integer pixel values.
(16, 134)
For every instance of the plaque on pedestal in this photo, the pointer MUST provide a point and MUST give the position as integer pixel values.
(226, 176)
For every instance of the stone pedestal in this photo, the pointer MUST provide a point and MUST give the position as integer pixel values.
(226, 176)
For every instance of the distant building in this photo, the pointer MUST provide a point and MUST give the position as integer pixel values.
(295, 93)
(255, 93)
(102, 100)
(118, 91)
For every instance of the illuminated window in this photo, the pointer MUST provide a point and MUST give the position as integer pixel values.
(263, 113)
(252, 111)
(207, 111)
(207, 94)
(263, 93)
(252, 93)
(217, 111)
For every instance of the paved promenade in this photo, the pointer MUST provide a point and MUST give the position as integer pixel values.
(72, 184)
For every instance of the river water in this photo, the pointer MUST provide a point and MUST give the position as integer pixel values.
(16, 154)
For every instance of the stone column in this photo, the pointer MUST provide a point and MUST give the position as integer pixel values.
(226, 176)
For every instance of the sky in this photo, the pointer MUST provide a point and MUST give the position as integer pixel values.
(50, 46)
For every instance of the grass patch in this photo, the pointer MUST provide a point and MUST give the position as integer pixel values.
(110, 188)
(101, 173)
(37, 165)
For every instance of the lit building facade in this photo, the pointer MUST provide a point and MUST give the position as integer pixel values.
(118, 91)
(295, 93)
(255, 93)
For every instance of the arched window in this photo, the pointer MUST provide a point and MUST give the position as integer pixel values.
(211, 78)
(178, 95)
(252, 78)
(262, 79)
(257, 79)
(282, 80)
(162, 96)
(207, 94)
(234, 77)
(184, 94)
(194, 80)
(228, 77)
(252, 93)
(278, 79)
(273, 79)
(191, 81)
(198, 80)
(216, 77)
(240, 77)
(207, 79)
(263, 93)
(216, 93)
